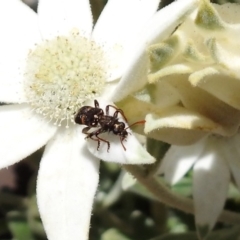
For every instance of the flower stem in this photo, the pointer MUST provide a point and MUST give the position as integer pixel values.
(166, 196)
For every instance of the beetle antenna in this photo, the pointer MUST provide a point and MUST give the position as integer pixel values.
(139, 122)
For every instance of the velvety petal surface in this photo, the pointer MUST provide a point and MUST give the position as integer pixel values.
(18, 24)
(178, 160)
(67, 182)
(179, 126)
(158, 28)
(135, 153)
(200, 101)
(224, 87)
(22, 133)
(210, 184)
(232, 152)
(59, 17)
(118, 24)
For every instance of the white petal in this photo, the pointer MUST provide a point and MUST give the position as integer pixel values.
(118, 24)
(22, 133)
(179, 117)
(224, 87)
(178, 160)
(59, 17)
(67, 181)
(178, 126)
(161, 26)
(18, 24)
(128, 181)
(210, 185)
(225, 117)
(232, 152)
(135, 153)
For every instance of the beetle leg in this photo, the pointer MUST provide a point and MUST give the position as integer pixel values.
(96, 103)
(121, 140)
(118, 110)
(85, 130)
(97, 138)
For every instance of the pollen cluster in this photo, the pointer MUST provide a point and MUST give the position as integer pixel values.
(62, 74)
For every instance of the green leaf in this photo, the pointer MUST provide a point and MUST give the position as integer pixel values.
(18, 225)
(113, 234)
(183, 187)
(179, 236)
(225, 234)
(157, 149)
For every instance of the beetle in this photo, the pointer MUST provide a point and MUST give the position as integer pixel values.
(94, 117)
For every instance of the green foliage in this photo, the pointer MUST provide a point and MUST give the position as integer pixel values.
(18, 225)
(113, 234)
(226, 234)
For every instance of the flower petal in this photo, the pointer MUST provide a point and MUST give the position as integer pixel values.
(22, 133)
(60, 17)
(135, 153)
(226, 54)
(67, 181)
(198, 100)
(128, 181)
(169, 70)
(179, 117)
(161, 25)
(135, 108)
(18, 24)
(116, 27)
(178, 160)
(210, 181)
(232, 152)
(178, 126)
(224, 87)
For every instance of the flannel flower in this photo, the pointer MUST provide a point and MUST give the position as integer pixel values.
(190, 99)
(51, 64)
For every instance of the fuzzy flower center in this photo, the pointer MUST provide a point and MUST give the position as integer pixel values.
(62, 74)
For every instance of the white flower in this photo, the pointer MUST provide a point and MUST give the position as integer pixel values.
(191, 100)
(51, 64)
(214, 160)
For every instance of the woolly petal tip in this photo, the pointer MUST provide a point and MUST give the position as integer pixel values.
(67, 182)
(160, 26)
(206, 182)
(134, 152)
(203, 230)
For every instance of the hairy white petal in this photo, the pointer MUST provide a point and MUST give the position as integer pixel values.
(118, 24)
(67, 181)
(224, 87)
(22, 133)
(173, 125)
(232, 152)
(179, 159)
(59, 17)
(157, 29)
(18, 33)
(198, 100)
(179, 117)
(128, 181)
(211, 180)
(135, 153)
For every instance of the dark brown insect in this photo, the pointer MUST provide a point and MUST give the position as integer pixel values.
(94, 117)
